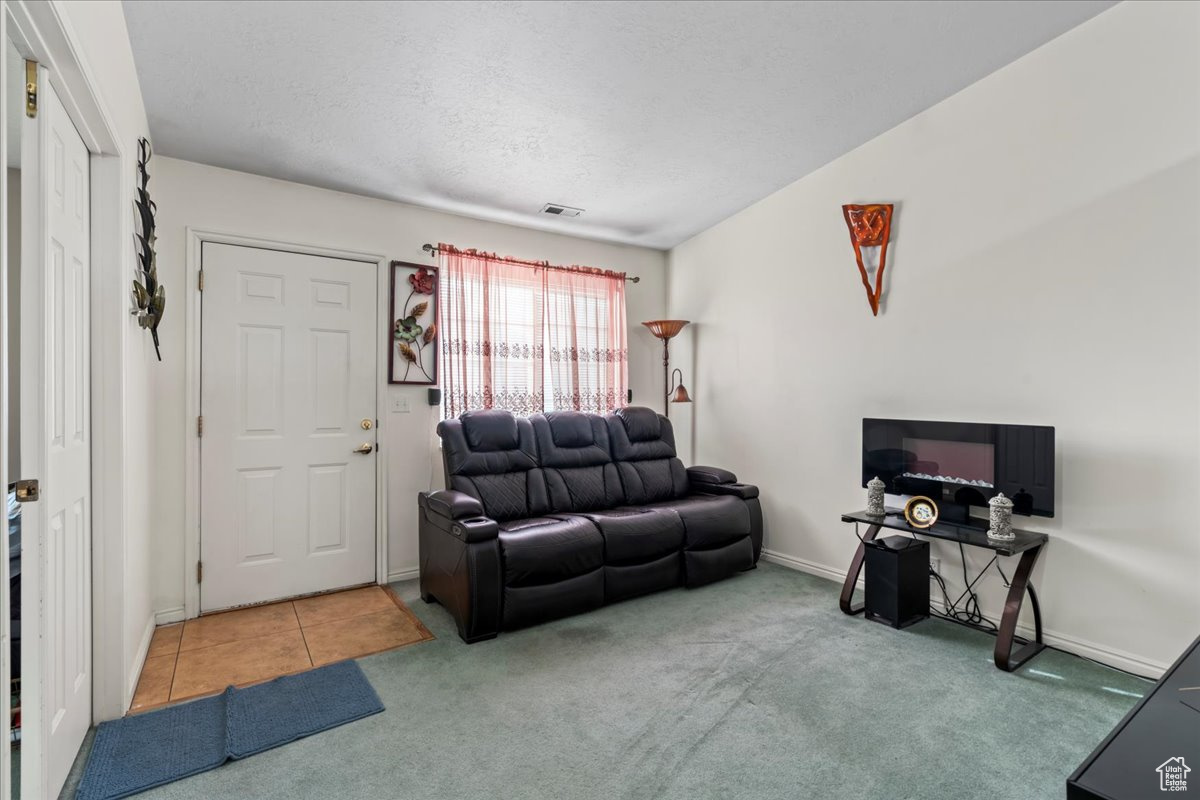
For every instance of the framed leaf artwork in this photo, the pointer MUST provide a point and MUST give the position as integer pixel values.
(414, 320)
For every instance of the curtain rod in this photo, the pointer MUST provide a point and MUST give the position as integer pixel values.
(433, 252)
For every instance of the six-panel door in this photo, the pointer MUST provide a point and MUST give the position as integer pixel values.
(287, 496)
(55, 445)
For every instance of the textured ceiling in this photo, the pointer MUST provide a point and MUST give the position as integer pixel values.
(658, 118)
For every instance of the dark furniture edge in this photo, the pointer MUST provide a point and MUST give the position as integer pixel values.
(1073, 779)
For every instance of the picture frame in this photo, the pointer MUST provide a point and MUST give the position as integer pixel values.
(413, 324)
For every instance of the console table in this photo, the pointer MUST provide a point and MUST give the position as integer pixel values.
(1011, 650)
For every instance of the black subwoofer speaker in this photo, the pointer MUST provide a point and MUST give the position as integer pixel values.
(897, 591)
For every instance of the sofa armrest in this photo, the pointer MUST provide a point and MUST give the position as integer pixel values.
(460, 563)
(745, 491)
(714, 480)
(453, 505)
(459, 515)
(707, 475)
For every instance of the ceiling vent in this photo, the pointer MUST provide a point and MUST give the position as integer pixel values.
(561, 211)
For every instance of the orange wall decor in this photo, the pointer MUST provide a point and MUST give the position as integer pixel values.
(870, 226)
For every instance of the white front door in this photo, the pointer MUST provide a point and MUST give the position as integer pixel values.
(56, 650)
(287, 453)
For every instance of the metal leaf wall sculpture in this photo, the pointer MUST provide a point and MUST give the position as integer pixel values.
(149, 297)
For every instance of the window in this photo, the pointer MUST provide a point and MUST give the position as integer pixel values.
(530, 337)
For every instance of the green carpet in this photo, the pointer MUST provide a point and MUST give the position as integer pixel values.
(756, 687)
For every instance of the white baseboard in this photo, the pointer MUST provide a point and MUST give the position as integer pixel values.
(406, 574)
(139, 661)
(1071, 644)
(169, 615)
(803, 565)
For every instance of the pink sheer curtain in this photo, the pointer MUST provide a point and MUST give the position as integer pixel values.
(492, 334)
(528, 337)
(586, 341)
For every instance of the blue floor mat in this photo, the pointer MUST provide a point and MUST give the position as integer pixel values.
(137, 753)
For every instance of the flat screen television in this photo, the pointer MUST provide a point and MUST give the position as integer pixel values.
(962, 464)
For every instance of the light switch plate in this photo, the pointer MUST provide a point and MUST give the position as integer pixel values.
(400, 404)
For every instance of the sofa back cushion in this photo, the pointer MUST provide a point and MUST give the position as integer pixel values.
(491, 455)
(573, 451)
(643, 447)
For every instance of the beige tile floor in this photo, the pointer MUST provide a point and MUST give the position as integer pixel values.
(250, 645)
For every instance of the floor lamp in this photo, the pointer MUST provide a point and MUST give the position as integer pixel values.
(667, 329)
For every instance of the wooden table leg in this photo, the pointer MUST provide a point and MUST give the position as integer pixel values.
(1006, 637)
(852, 574)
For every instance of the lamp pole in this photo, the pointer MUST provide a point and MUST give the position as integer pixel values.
(667, 377)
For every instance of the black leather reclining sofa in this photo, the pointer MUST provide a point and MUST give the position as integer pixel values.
(564, 512)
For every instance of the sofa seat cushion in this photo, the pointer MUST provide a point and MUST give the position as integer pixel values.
(544, 550)
(709, 520)
(636, 535)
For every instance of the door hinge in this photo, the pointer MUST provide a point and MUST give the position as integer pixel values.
(199, 572)
(200, 425)
(31, 89)
(200, 281)
(27, 491)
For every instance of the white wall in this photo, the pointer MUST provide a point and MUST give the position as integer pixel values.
(1044, 269)
(205, 197)
(98, 32)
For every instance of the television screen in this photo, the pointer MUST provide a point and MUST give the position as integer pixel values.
(962, 463)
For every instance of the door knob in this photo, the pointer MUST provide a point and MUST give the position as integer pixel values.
(363, 449)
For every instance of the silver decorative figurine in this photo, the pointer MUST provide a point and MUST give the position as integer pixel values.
(1000, 516)
(875, 497)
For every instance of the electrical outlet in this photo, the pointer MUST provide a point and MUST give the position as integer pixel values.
(400, 404)
(935, 565)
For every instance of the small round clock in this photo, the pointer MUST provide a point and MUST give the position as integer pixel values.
(921, 512)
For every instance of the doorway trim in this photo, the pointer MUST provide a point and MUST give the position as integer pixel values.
(196, 237)
(43, 34)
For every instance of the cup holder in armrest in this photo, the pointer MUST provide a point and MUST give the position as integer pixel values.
(474, 529)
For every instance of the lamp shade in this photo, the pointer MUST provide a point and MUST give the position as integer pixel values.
(665, 328)
(681, 395)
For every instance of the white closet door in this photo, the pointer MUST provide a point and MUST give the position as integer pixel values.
(56, 533)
